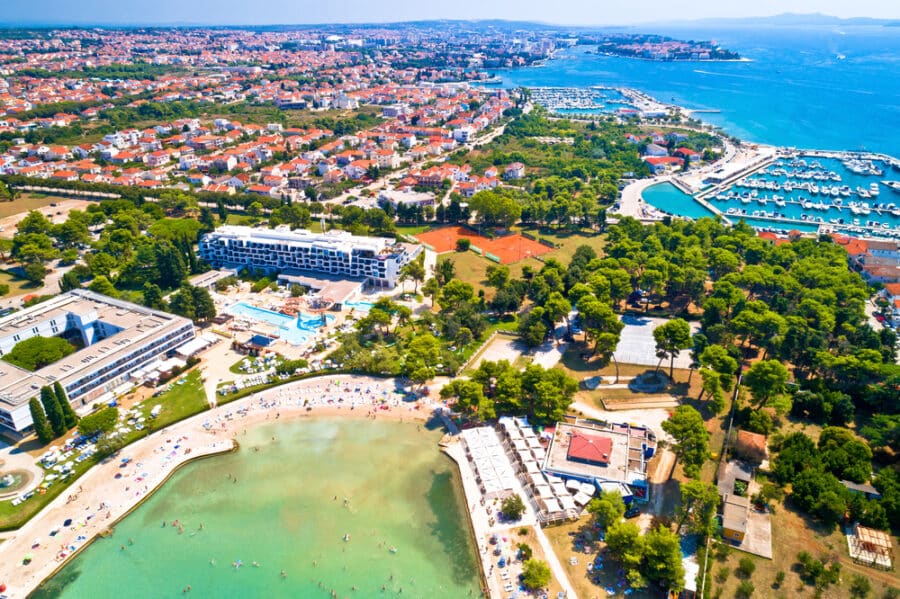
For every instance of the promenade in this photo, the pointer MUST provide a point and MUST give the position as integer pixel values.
(99, 499)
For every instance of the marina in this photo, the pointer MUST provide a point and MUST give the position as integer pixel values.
(575, 101)
(807, 191)
(826, 193)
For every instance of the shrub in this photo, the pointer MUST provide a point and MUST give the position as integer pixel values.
(779, 579)
(722, 574)
(860, 586)
(260, 285)
(744, 590)
(463, 244)
(746, 567)
(525, 551)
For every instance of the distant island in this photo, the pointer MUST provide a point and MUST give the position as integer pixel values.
(658, 47)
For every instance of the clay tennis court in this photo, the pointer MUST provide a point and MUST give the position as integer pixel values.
(509, 248)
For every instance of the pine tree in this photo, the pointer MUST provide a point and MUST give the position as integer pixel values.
(69, 415)
(41, 426)
(204, 307)
(53, 410)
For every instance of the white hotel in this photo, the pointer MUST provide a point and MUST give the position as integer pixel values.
(375, 260)
(118, 338)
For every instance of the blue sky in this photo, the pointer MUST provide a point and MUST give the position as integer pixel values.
(583, 12)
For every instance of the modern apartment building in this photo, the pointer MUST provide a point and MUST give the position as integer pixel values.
(117, 338)
(375, 260)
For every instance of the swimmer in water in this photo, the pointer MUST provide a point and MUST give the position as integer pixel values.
(283, 574)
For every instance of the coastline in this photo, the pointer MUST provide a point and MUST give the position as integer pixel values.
(700, 60)
(207, 434)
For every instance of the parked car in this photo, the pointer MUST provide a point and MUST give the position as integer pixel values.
(633, 512)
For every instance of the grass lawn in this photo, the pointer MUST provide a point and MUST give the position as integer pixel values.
(472, 268)
(240, 219)
(26, 202)
(178, 403)
(17, 285)
(412, 229)
(792, 533)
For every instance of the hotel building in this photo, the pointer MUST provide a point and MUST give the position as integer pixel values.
(117, 338)
(375, 260)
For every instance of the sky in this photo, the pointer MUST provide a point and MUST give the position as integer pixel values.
(255, 12)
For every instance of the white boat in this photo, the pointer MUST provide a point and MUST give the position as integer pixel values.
(873, 189)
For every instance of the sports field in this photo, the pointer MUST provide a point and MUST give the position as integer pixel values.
(509, 248)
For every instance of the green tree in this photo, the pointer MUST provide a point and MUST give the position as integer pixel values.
(69, 281)
(535, 574)
(547, 393)
(153, 297)
(691, 438)
(35, 272)
(42, 427)
(512, 507)
(182, 302)
(698, 507)
(431, 288)
(672, 337)
(69, 415)
(414, 270)
(204, 307)
(53, 411)
(844, 455)
(36, 352)
(470, 398)
(766, 380)
(422, 354)
(532, 328)
(455, 293)
(607, 508)
(103, 286)
(497, 275)
(556, 307)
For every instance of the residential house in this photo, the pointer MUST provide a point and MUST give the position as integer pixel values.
(655, 150)
(516, 170)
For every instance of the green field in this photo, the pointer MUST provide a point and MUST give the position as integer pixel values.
(28, 201)
(472, 268)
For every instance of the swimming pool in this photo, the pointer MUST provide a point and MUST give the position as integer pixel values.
(293, 330)
(362, 306)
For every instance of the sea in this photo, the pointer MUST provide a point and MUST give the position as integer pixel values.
(401, 493)
(822, 87)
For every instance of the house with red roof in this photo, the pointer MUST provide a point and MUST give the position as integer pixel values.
(659, 164)
(589, 449)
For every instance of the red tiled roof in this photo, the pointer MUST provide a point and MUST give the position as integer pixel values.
(590, 448)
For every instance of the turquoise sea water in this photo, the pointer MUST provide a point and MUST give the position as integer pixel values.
(281, 513)
(293, 330)
(825, 87)
(669, 198)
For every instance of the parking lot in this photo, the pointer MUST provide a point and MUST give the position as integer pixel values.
(638, 346)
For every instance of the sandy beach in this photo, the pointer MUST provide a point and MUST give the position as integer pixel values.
(99, 499)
